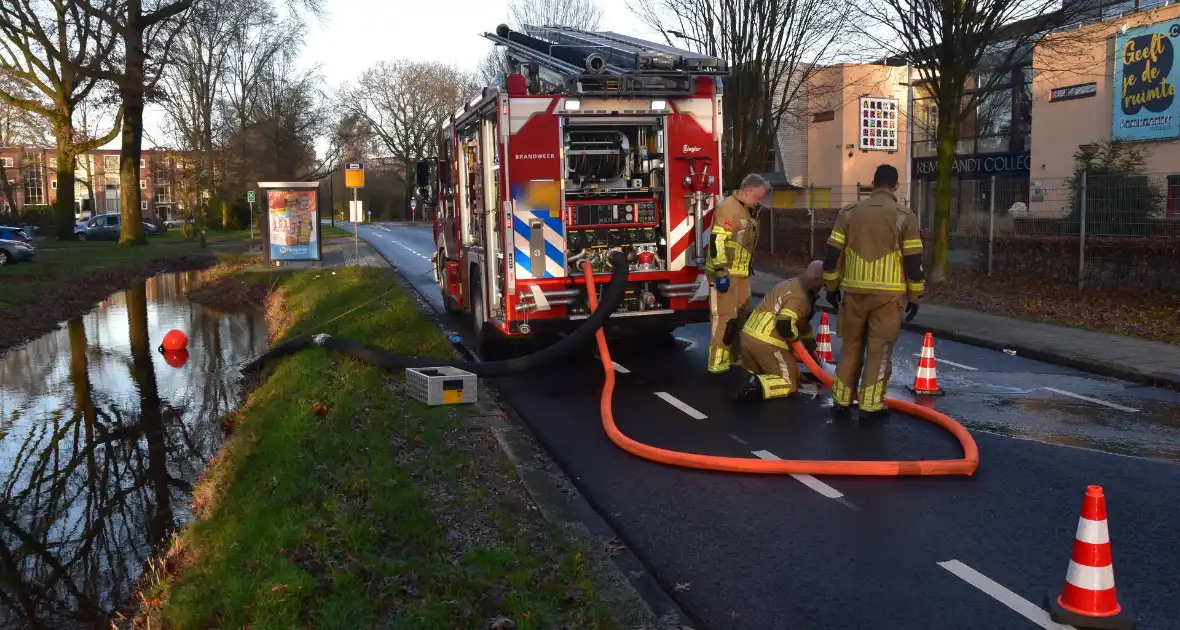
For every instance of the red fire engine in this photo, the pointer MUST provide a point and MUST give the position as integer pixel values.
(597, 142)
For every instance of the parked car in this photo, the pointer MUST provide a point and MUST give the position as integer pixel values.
(9, 233)
(104, 227)
(150, 229)
(15, 251)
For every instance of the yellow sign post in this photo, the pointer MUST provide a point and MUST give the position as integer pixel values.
(354, 178)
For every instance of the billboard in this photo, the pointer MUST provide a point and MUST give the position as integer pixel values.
(878, 124)
(294, 226)
(1145, 75)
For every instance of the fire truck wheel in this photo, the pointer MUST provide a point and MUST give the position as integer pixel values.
(488, 341)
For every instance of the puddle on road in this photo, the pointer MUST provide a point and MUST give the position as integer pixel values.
(101, 441)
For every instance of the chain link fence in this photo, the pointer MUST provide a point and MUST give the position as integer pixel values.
(1119, 231)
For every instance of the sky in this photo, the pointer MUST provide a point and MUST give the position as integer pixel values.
(358, 33)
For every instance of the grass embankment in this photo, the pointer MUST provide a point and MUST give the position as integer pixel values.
(340, 502)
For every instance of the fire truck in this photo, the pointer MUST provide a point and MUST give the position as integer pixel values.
(595, 143)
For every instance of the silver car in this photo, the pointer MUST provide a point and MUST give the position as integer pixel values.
(15, 251)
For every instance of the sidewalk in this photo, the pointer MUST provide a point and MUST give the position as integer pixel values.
(1136, 360)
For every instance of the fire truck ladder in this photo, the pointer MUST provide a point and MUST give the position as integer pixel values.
(583, 62)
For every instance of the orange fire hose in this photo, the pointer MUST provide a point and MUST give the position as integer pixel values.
(964, 466)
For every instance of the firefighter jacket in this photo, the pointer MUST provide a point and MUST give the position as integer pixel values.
(735, 233)
(875, 248)
(783, 316)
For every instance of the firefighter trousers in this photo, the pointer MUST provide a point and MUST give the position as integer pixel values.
(774, 367)
(869, 326)
(722, 308)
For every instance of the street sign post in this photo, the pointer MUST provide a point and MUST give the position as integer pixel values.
(250, 200)
(413, 209)
(354, 178)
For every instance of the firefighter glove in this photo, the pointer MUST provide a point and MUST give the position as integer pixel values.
(834, 299)
(722, 284)
(911, 311)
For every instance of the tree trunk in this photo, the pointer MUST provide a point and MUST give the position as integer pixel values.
(948, 138)
(67, 158)
(131, 90)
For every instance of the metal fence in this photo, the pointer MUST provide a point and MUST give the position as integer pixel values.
(1094, 230)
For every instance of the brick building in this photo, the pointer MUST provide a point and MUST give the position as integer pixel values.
(30, 179)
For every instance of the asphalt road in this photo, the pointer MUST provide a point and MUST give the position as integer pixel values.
(766, 553)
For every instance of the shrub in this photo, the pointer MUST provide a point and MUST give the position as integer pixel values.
(1121, 200)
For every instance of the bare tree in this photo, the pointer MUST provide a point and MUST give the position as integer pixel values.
(583, 14)
(774, 48)
(404, 102)
(961, 52)
(18, 127)
(49, 52)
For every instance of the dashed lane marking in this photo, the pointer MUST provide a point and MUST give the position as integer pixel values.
(965, 367)
(1088, 399)
(1027, 609)
(620, 369)
(809, 481)
(738, 439)
(677, 403)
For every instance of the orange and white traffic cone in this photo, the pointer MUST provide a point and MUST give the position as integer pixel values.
(926, 380)
(1088, 599)
(823, 341)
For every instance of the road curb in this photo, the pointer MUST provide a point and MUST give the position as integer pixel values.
(560, 497)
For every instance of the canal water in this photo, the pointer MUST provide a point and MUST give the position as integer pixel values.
(101, 440)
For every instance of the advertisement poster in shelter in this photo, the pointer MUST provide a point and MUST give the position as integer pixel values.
(1145, 75)
(294, 224)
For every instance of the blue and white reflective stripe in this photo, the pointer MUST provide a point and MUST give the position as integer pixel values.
(539, 253)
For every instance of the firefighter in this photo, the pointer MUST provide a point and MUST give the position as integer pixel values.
(727, 263)
(873, 261)
(782, 317)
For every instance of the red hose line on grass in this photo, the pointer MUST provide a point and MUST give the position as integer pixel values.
(875, 468)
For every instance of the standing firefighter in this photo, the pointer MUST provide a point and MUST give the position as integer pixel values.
(782, 317)
(875, 256)
(731, 248)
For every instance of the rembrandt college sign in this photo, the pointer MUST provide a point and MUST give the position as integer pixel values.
(1145, 75)
(976, 166)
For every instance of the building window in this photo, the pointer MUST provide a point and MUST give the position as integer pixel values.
(142, 205)
(53, 184)
(110, 163)
(142, 163)
(164, 192)
(143, 184)
(34, 179)
(8, 163)
(823, 116)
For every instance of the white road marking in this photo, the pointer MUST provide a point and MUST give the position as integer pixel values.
(1027, 609)
(807, 480)
(738, 439)
(1088, 399)
(965, 367)
(620, 369)
(677, 403)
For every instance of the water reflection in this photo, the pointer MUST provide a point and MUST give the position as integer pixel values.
(101, 440)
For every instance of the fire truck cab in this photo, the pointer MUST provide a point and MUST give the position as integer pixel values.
(596, 143)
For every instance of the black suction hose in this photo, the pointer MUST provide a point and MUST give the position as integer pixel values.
(609, 302)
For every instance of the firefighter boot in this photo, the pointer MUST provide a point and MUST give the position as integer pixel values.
(746, 388)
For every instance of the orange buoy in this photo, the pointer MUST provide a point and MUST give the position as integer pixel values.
(176, 358)
(174, 340)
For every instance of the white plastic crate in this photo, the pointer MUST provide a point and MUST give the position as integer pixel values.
(441, 385)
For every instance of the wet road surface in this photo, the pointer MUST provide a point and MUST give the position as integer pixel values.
(101, 441)
(773, 552)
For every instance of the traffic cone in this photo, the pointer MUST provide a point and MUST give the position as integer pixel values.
(926, 380)
(1088, 599)
(823, 341)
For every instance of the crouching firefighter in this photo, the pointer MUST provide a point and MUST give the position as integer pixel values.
(874, 256)
(727, 263)
(783, 316)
